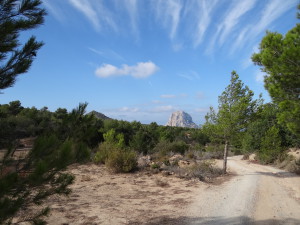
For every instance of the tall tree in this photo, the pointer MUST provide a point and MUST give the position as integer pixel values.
(17, 16)
(234, 114)
(279, 58)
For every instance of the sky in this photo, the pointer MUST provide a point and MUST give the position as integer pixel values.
(144, 59)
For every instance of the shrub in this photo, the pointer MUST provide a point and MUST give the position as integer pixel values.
(120, 160)
(204, 170)
(270, 146)
(103, 152)
(163, 148)
(82, 152)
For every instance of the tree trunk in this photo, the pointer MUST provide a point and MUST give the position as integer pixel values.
(225, 157)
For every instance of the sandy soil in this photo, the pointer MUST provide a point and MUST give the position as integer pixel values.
(254, 194)
(100, 197)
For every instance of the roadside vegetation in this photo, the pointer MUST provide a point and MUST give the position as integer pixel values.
(240, 125)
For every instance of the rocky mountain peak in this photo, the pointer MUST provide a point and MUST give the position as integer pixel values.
(99, 115)
(181, 119)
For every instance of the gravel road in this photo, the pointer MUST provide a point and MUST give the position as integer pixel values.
(256, 195)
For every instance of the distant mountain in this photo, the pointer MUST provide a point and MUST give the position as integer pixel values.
(181, 119)
(99, 115)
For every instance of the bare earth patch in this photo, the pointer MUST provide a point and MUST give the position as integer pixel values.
(99, 197)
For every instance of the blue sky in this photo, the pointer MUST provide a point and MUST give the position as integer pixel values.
(144, 59)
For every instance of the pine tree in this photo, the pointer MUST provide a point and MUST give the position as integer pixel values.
(279, 58)
(17, 16)
(234, 114)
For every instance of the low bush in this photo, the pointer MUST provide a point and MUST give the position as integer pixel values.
(163, 148)
(204, 170)
(116, 159)
(120, 160)
(104, 150)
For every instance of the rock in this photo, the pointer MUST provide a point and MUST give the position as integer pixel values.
(252, 157)
(144, 161)
(181, 119)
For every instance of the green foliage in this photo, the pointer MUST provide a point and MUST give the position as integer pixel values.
(163, 148)
(17, 16)
(265, 118)
(235, 112)
(35, 178)
(270, 146)
(121, 161)
(279, 58)
(103, 152)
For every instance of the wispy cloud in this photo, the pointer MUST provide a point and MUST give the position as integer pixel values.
(128, 109)
(108, 54)
(168, 96)
(132, 9)
(201, 110)
(200, 95)
(164, 108)
(259, 77)
(54, 10)
(183, 95)
(233, 17)
(229, 23)
(86, 8)
(271, 12)
(247, 61)
(168, 12)
(203, 11)
(140, 70)
(190, 75)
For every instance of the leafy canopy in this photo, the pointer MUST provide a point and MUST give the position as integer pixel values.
(279, 58)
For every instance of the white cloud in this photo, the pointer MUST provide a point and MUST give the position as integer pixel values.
(200, 95)
(168, 96)
(203, 11)
(86, 8)
(183, 95)
(228, 24)
(272, 11)
(259, 77)
(140, 70)
(202, 110)
(56, 11)
(247, 61)
(157, 102)
(169, 12)
(127, 109)
(164, 108)
(108, 54)
(233, 17)
(190, 75)
(132, 9)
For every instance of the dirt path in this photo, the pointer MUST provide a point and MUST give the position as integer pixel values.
(256, 195)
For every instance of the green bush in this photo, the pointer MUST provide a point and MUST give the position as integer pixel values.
(120, 160)
(163, 148)
(82, 152)
(103, 151)
(115, 158)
